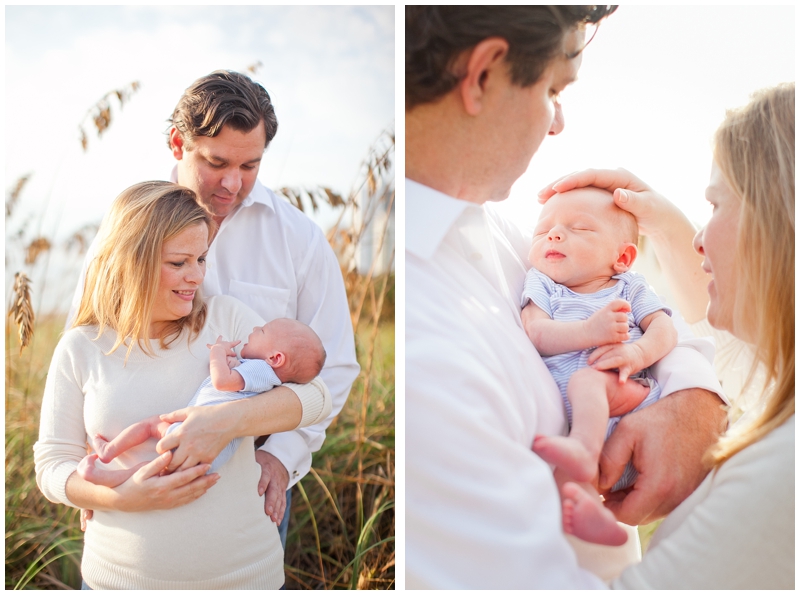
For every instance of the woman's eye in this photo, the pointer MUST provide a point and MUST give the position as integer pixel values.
(177, 264)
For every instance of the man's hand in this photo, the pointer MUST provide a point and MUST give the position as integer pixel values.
(609, 324)
(274, 481)
(86, 515)
(666, 443)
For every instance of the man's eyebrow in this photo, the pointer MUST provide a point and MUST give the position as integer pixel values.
(218, 158)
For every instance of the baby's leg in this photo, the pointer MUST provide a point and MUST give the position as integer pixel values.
(585, 517)
(589, 392)
(133, 435)
(110, 478)
(578, 453)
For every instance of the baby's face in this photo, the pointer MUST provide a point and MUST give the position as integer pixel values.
(262, 342)
(578, 237)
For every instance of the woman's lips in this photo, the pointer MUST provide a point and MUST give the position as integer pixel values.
(186, 295)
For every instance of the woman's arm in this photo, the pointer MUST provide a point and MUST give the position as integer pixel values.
(62, 445)
(206, 430)
(145, 490)
(662, 222)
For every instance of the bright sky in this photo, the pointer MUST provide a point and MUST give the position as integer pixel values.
(328, 69)
(653, 87)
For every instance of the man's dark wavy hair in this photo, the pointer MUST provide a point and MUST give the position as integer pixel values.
(436, 36)
(223, 98)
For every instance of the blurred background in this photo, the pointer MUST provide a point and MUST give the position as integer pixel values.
(653, 87)
(88, 93)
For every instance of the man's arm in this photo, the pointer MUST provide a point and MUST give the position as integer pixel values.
(321, 304)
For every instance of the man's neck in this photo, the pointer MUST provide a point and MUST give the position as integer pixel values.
(440, 155)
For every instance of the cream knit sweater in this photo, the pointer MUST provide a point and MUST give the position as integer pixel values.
(222, 540)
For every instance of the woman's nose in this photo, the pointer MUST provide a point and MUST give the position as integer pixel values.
(195, 274)
(697, 242)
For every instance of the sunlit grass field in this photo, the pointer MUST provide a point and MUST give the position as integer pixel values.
(341, 531)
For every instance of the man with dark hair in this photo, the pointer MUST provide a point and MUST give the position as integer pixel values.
(266, 252)
(482, 510)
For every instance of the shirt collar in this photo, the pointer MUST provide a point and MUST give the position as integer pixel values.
(429, 216)
(259, 194)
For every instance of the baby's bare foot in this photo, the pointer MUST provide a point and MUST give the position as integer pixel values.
(86, 468)
(100, 446)
(585, 517)
(568, 454)
(624, 398)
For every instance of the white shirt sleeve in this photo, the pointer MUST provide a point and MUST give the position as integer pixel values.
(736, 531)
(689, 365)
(322, 305)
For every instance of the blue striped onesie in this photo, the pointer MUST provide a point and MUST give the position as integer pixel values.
(258, 377)
(563, 304)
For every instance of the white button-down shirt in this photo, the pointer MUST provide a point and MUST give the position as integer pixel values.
(272, 257)
(482, 510)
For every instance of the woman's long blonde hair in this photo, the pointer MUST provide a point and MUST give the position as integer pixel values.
(754, 149)
(123, 278)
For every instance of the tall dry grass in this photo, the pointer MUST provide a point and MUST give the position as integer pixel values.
(341, 532)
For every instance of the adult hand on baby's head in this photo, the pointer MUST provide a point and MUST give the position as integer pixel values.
(653, 212)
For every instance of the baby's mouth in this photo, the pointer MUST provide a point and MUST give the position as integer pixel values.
(553, 254)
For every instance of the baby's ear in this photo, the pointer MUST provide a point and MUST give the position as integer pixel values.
(627, 255)
(277, 359)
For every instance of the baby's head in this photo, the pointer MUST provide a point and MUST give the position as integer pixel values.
(582, 236)
(293, 350)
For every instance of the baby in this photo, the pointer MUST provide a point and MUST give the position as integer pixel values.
(588, 315)
(283, 350)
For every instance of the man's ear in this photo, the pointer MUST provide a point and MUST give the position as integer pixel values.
(277, 359)
(176, 143)
(484, 61)
(627, 255)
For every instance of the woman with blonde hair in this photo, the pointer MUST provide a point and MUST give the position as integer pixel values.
(138, 349)
(736, 531)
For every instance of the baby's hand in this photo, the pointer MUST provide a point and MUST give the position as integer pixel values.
(227, 348)
(609, 325)
(226, 345)
(627, 357)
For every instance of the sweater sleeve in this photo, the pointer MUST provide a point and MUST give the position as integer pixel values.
(62, 434)
(736, 531)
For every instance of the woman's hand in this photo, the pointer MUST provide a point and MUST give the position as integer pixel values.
(662, 222)
(654, 213)
(202, 435)
(148, 489)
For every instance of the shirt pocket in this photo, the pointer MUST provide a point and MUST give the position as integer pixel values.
(268, 302)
